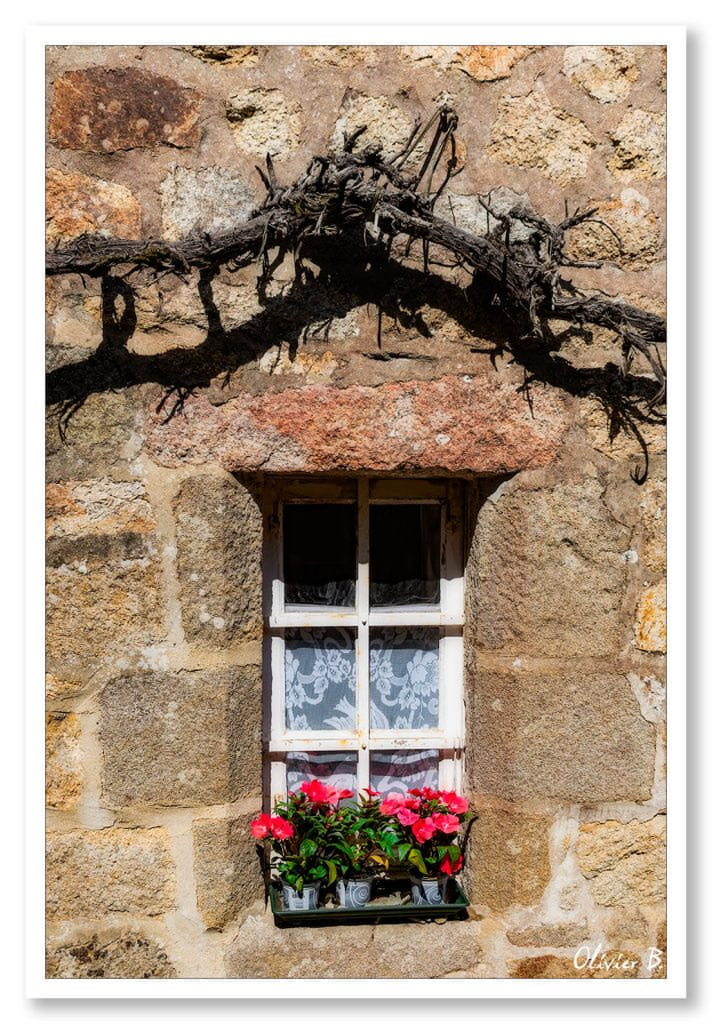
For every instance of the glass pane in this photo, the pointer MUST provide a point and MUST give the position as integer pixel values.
(320, 554)
(320, 679)
(331, 769)
(396, 771)
(405, 678)
(405, 554)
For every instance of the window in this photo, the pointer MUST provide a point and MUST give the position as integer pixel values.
(364, 609)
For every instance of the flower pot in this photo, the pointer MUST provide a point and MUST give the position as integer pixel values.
(308, 899)
(354, 892)
(429, 891)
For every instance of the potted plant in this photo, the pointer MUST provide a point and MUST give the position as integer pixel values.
(354, 849)
(423, 830)
(315, 841)
(299, 834)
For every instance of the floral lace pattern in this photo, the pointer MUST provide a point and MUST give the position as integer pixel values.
(320, 679)
(404, 664)
(334, 593)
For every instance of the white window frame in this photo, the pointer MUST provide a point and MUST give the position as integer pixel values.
(448, 738)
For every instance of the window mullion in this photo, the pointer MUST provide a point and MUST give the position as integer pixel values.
(362, 645)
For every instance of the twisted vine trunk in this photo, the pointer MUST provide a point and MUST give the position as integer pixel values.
(363, 190)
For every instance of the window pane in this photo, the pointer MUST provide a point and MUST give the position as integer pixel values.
(405, 683)
(405, 554)
(331, 769)
(320, 554)
(320, 679)
(396, 771)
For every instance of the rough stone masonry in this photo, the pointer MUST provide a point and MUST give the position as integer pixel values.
(154, 650)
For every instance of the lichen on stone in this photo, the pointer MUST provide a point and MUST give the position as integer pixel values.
(531, 132)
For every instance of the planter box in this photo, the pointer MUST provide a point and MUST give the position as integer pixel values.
(391, 902)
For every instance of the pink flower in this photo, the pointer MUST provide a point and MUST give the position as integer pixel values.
(393, 803)
(446, 822)
(281, 828)
(455, 804)
(406, 816)
(450, 867)
(260, 827)
(423, 829)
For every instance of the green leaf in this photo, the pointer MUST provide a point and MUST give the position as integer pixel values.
(333, 872)
(307, 848)
(345, 849)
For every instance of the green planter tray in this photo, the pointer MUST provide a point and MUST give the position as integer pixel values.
(391, 902)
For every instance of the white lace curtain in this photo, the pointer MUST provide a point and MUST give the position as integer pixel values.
(320, 678)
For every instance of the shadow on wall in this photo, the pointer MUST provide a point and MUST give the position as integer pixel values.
(348, 276)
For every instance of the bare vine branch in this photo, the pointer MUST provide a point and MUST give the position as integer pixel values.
(363, 191)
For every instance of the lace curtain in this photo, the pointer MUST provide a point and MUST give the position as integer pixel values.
(392, 771)
(395, 771)
(320, 678)
(331, 769)
(404, 669)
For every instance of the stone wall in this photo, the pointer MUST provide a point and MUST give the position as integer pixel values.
(154, 642)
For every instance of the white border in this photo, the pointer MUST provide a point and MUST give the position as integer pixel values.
(36, 985)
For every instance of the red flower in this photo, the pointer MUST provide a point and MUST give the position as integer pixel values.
(450, 867)
(414, 792)
(456, 804)
(317, 792)
(371, 792)
(446, 822)
(413, 802)
(334, 795)
(281, 828)
(430, 794)
(260, 827)
(423, 829)
(406, 816)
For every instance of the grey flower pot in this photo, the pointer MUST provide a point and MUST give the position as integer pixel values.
(354, 892)
(428, 891)
(308, 899)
